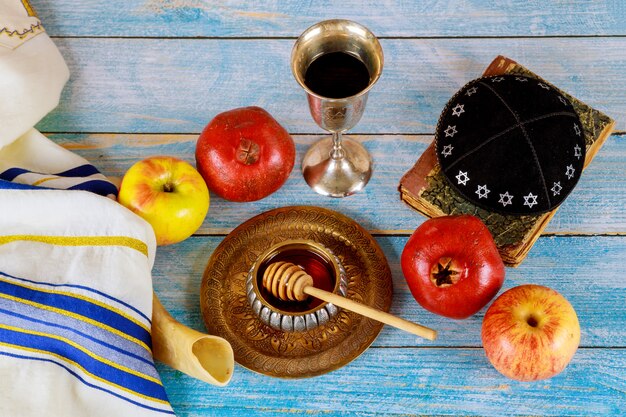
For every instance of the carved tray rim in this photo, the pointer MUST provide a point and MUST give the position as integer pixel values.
(257, 347)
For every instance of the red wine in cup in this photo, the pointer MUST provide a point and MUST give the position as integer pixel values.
(337, 75)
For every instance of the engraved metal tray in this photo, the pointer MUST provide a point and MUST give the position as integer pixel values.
(260, 348)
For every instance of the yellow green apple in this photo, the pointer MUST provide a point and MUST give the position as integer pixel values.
(169, 194)
(530, 332)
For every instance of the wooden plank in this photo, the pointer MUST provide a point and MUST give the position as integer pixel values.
(588, 271)
(406, 381)
(596, 206)
(178, 85)
(164, 18)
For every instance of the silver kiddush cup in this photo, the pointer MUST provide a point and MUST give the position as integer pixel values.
(337, 166)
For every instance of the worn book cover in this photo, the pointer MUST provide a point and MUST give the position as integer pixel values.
(425, 188)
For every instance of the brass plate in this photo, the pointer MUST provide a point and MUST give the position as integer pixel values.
(258, 347)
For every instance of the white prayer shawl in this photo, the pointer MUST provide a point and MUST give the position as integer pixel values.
(75, 282)
(75, 303)
(32, 71)
(32, 75)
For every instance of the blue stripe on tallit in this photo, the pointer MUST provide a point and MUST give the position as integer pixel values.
(12, 173)
(80, 171)
(98, 358)
(8, 185)
(96, 186)
(96, 342)
(100, 369)
(82, 287)
(87, 383)
(81, 307)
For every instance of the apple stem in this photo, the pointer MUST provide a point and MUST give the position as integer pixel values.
(532, 321)
(168, 187)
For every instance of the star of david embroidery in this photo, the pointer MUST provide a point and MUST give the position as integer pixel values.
(497, 79)
(576, 129)
(577, 152)
(450, 131)
(482, 191)
(556, 188)
(471, 91)
(506, 199)
(447, 150)
(521, 79)
(562, 100)
(462, 178)
(570, 172)
(458, 109)
(530, 200)
(542, 85)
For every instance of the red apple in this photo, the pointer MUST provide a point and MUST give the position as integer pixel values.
(530, 332)
(169, 194)
(244, 154)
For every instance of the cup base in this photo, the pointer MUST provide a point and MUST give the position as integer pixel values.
(337, 177)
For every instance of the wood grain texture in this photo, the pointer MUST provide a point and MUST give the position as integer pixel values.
(595, 206)
(409, 382)
(178, 85)
(165, 18)
(588, 271)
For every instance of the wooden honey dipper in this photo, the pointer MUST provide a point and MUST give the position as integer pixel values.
(289, 282)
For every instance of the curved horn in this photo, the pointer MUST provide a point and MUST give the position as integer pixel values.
(205, 357)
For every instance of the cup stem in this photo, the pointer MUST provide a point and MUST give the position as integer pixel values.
(337, 151)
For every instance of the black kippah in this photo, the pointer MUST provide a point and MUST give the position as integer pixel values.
(511, 144)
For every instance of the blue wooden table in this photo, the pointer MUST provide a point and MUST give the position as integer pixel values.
(148, 75)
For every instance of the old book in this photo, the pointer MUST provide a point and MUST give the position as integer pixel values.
(426, 189)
